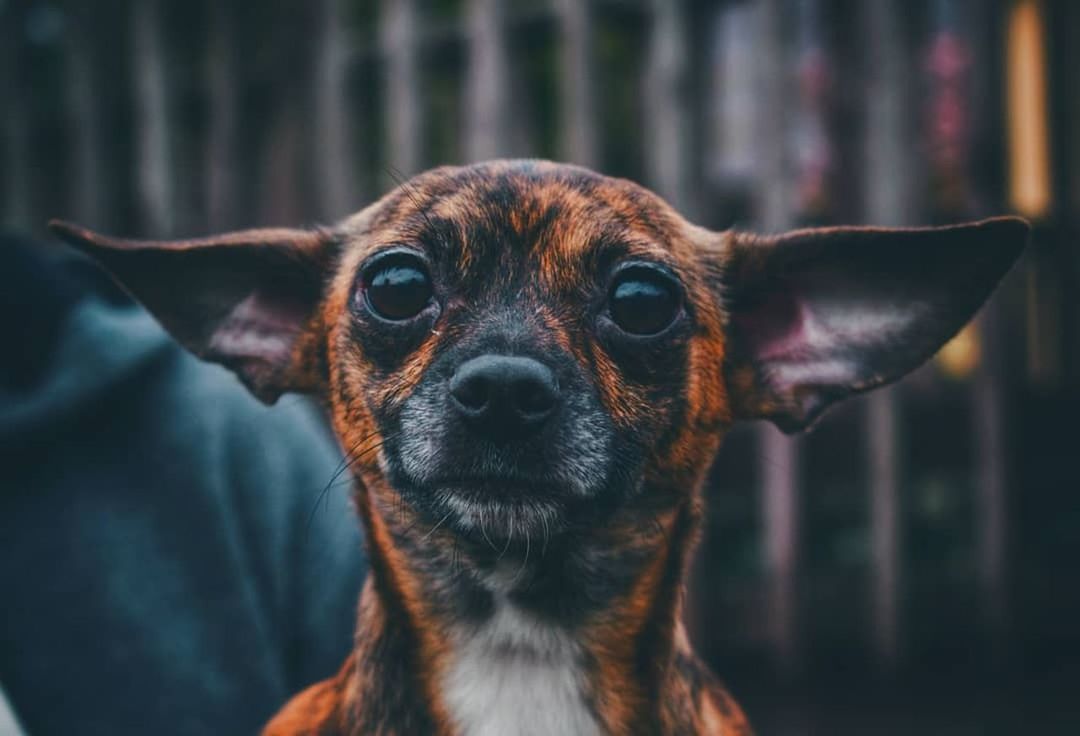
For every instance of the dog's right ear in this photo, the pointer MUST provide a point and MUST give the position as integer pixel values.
(247, 300)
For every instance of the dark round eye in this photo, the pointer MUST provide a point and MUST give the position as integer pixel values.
(397, 286)
(643, 300)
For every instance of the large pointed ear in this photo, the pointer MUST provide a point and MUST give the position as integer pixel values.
(247, 300)
(817, 315)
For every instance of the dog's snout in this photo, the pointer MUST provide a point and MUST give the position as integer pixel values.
(503, 396)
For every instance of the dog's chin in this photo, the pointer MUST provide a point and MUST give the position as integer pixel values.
(498, 512)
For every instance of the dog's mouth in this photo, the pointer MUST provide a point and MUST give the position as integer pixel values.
(498, 489)
(509, 488)
(499, 510)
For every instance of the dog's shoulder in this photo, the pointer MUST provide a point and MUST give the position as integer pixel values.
(316, 711)
(704, 705)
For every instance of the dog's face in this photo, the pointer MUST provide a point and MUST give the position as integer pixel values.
(515, 348)
(529, 343)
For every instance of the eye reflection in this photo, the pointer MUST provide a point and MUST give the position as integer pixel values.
(397, 286)
(643, 300)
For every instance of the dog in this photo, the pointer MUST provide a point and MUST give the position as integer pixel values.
(531, 367)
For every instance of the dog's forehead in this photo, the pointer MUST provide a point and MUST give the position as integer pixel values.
(483, 216)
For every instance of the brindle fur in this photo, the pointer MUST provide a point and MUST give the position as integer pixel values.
(526, 246)
(563, 222)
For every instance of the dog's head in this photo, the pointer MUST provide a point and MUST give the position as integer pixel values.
(514, 347)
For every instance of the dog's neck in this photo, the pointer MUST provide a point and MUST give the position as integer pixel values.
(587, 622)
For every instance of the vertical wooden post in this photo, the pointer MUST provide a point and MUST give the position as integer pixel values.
(885, 516)
(90, 184)
(779, 463)
(487, 87)
(1070, 19)
(398, 29)
(732, 124)
(1030, 178)
(667, 118)
(772, 65)
(989, 424)
(282, 190)
(577, 125)
(154, 164)
(332, 145)
(889, 183)
(221, 144)
(18, 209)
(779, 458)
(1029, 136)
(287, 192)
(1066, 19)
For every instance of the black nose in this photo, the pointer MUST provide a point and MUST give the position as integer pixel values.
(503, 395)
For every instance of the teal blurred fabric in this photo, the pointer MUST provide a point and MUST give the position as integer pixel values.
(166, 563)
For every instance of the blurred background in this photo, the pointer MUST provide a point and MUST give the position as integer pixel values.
(911, 564)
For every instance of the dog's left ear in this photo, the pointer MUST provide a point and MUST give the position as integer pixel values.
(817, 315)
(246, 300)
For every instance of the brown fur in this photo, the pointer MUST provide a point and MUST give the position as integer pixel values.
(622, 697)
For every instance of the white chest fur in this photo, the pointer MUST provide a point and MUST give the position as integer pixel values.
(516, 676)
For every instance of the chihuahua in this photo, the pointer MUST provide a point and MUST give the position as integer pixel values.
(531, 367)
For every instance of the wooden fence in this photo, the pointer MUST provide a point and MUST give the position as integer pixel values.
(157, 118)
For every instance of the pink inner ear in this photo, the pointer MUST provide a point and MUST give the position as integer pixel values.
(774, 328)
(789, 349)
(259, 328)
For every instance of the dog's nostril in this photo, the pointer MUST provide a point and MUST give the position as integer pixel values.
(472, 392)
(534, 397)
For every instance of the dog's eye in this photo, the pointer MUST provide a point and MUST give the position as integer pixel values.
(643, 300)
(397, 286)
